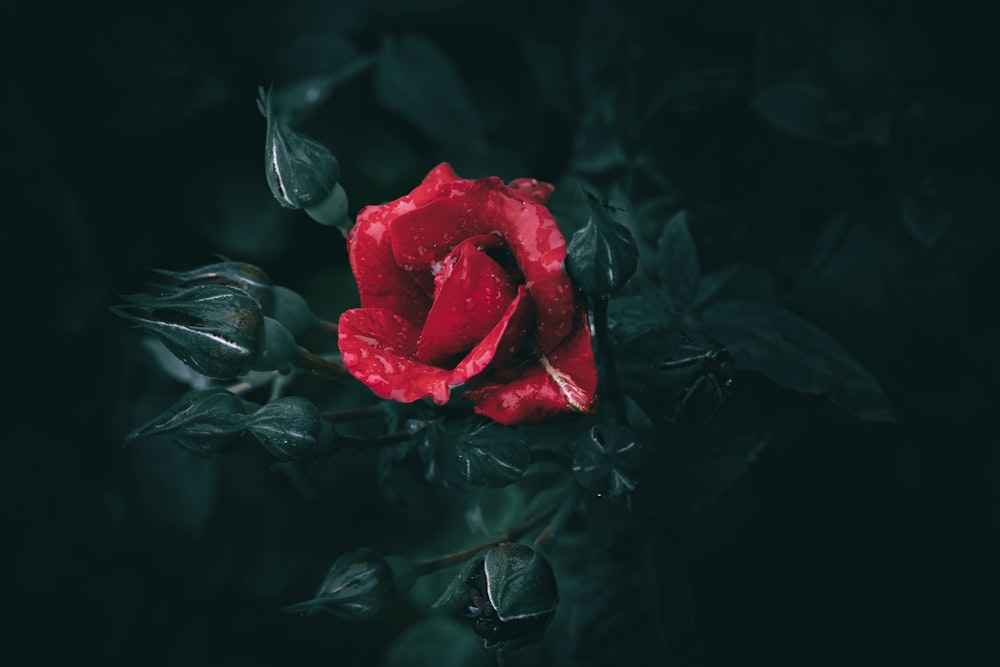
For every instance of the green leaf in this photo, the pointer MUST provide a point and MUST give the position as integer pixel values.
(926, 216)
(436, 641)
(418, 80)
(712, 467)
(797, 355)
(799, 108)
(474, 451)
(678, 262)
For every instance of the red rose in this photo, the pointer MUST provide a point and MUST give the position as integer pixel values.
(462, 282)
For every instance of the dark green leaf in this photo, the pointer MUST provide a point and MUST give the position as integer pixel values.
(796, 354)
(799, 108)
(711, 468)
(474, 451)
(436, 641)
(926, 216)
(678, 262)
(418, 80)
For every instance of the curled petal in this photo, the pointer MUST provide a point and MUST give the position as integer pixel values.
(472, 294)
(565, 379)
(531, 189)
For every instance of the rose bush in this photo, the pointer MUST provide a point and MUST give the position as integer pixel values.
(462, 283)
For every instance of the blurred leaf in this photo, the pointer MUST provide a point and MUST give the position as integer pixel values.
(806, 110)
(705, 79)
(418, 80)
(711, 467)
(154, 76)
(926, 216)
(598, 54)
(436, 641)
(310, 68)
(737, 281)
(474, 451)
(797, 355)
(678, 262)
(799, 108)
(597, 146)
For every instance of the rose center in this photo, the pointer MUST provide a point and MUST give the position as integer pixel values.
(472, 291)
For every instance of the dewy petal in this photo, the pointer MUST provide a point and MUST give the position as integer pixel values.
(504, 341)
(382, 283)
(531, 189)
(472, 292)
(378, 347)
(563, 380)
(425, 235)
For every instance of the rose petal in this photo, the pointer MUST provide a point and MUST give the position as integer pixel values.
(505, 340)
(471, 294)
(564, 380)
(378, 347)
(382, 283)
(531, 189)
(425, 235)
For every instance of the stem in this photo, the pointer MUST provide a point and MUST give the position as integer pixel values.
(608, 355)
(351, 415)
(548, 536)
(352, 442)
(435, 564)
(328, 327)
(325, 367)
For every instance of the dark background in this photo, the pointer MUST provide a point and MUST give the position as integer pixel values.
(130, 140)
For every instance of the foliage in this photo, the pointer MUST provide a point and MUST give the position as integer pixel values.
(792, 437)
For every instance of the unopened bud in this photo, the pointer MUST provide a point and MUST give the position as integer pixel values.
(207, 422)
(509, 593)
(247, 277)
(215, 329)
(361, 584)
(301, 172)
(602, 255)
(291, 428)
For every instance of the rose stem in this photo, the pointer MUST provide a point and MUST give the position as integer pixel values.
(351, 442)
(548, 536)
(435, 564)
(351, 415)
(328, 327)
(317, 364)
(608, 355)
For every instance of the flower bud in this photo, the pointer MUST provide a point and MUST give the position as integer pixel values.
(291, 428)
(361, 584)
(510, 595)
(602, 256)
(301, 172)
(690, 374)
(607, 460)
(207, 422)
(215, 329)
(240, 275)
